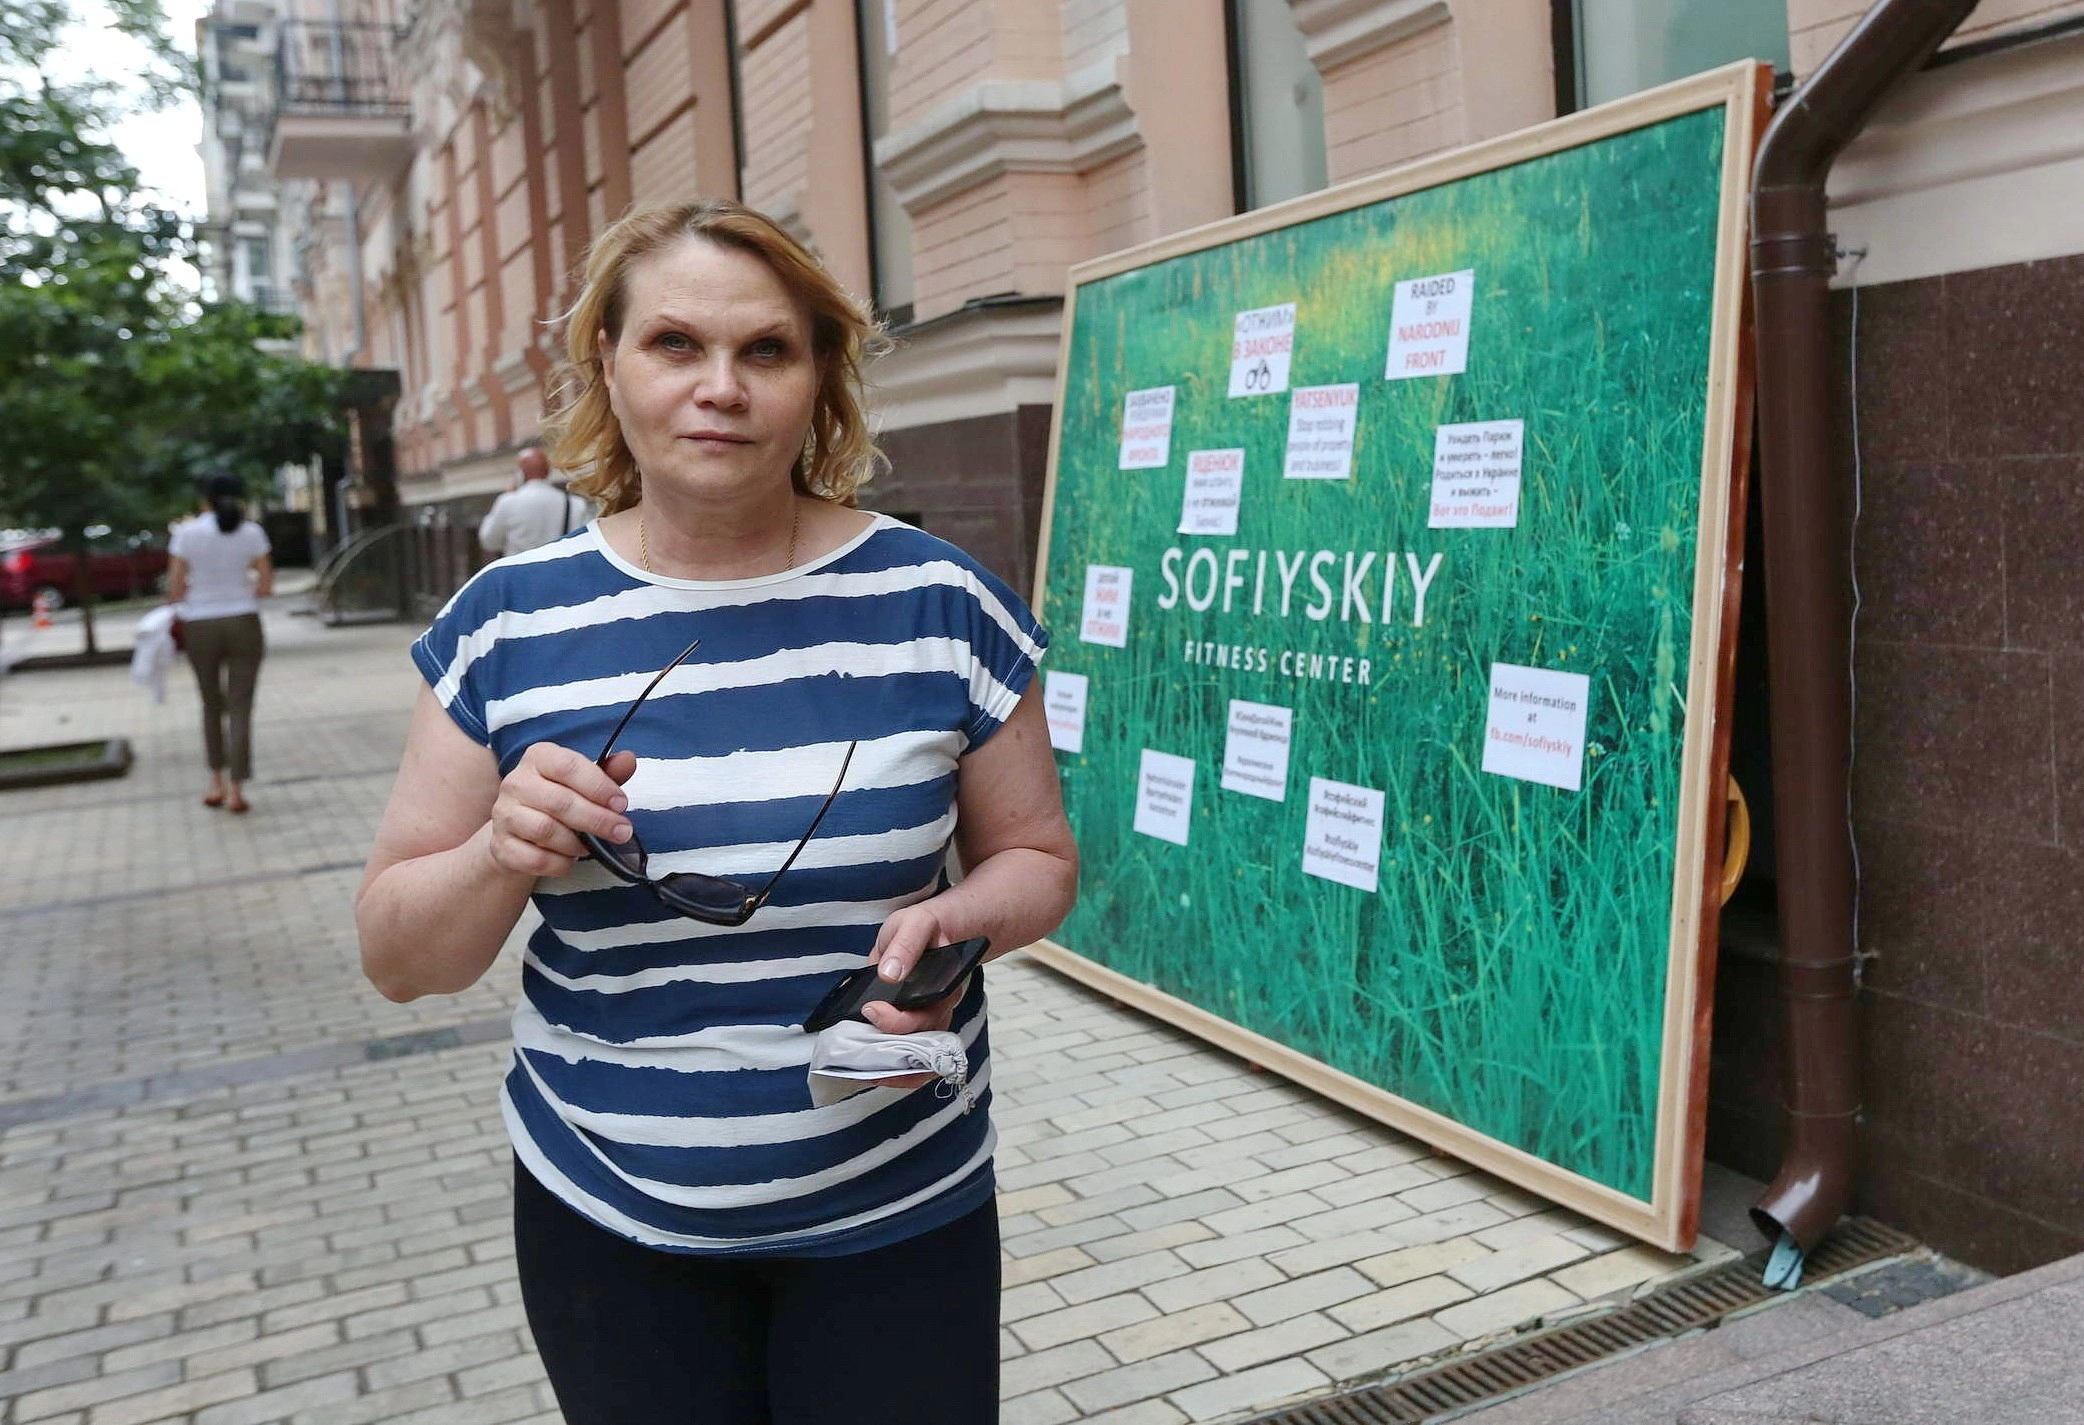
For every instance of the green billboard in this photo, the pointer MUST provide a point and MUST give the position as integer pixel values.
(1388, 557)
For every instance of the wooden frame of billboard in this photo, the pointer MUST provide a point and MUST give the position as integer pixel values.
(1670, 1219)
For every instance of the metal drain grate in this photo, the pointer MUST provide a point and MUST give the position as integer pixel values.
(1684, 1306)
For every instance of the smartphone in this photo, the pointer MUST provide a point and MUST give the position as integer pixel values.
(938, 974)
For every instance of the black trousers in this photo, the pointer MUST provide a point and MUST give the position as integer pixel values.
(899, 1335)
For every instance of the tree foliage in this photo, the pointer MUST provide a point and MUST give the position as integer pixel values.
(117, 388)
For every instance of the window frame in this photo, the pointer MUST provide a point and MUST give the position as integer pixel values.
(1563, 42)
(1234, 75)
(1570, 85)
(737, 97)
(872, 178)
(1243, 198)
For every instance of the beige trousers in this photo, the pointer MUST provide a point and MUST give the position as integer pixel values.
(226, 654)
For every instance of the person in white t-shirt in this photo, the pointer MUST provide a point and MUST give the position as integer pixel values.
(220, 570)
(532, 514)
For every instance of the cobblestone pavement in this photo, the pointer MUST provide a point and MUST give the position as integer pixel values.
(238, 1187)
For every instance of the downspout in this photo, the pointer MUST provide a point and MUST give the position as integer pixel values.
(354, 276)
(345, 97)
(1808, 609)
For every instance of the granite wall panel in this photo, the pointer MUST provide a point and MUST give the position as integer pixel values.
(1968, 785)
(976, 483)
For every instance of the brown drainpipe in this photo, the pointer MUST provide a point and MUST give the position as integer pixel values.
(1808, 604)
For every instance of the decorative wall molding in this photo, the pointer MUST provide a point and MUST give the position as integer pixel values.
(446, 411)
(1337, 32)
(787, 212)
(1971, 165)
(976, 362)
(417, 487)
(1028, 126)
(517, 372)
(432, 407)
(490, 473)
(411, 257)
(455, 52)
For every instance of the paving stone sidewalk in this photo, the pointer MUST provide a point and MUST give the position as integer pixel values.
(237, 1187)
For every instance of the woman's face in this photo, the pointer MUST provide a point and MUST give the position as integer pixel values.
(713, 379)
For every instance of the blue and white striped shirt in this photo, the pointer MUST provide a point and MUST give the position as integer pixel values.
(659, 1084)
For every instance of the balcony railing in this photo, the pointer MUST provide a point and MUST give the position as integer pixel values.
(340, 107)
(275, 301)
(346, 69)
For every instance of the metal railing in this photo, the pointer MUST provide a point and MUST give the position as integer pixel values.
(275, 301)
(439, 561)
(325, 69)
(364, 580)
(395, 571)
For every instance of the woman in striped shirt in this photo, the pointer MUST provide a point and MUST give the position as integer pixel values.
(696, 1239)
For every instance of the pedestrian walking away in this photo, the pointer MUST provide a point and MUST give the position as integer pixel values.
(725, 737)
(220, 568)
(533, 513)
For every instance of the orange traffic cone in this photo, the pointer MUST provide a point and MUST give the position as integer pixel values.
(42, 605)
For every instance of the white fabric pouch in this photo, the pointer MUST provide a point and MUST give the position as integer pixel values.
(852, 1056)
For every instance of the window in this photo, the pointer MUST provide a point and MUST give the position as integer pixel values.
(890, 226)
(231, 41)
(260, 272)
(1276, 106)
(1622, 46)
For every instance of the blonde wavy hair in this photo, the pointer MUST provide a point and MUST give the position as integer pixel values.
(581, 431)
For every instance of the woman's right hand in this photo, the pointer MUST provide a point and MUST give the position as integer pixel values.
(552, 793)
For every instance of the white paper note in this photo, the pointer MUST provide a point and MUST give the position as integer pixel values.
(1536, 727)
(1063, 700)
(1320, 432)
(1262, 342)
(1147, 429)
(1429, 325)
(1165, 796)
(1255, 754)
(1106, 605)
(1476, 475)
(1342, 835)
(1215, 487)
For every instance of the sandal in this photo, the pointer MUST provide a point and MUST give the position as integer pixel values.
(238, 807)
(214, 799)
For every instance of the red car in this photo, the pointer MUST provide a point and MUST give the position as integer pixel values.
(120, 569)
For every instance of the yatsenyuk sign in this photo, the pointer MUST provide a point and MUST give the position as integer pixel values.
(1389, 550)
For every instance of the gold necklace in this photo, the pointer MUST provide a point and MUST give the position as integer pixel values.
(795, 523)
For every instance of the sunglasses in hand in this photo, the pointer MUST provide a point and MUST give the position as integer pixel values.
(713, 900)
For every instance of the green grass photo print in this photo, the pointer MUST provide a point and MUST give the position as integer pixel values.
(1386, 552)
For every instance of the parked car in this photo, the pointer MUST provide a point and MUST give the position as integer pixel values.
(121, 568)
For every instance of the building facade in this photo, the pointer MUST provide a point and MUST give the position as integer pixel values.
(439, 167)
(246, 239)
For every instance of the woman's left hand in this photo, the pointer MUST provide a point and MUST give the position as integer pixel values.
(904, 937)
